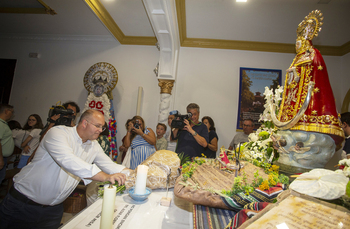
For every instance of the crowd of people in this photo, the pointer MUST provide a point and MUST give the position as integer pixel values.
(67, 154)
(194, 139)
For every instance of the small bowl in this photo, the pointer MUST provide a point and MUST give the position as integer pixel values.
(137, 197)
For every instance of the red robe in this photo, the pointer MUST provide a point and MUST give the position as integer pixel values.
(321, 115)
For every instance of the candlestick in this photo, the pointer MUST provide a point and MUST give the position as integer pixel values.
(108, 207)
(141, 179)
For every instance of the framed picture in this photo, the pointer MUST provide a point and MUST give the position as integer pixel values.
(251, 92)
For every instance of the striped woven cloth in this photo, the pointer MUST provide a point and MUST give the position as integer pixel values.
(243, 215)
(238, 201)
(211, 218)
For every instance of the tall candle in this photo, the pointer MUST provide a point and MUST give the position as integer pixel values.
(139, 97)
(141, 179)
(108, 207)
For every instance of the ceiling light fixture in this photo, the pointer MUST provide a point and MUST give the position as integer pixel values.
(241, 0)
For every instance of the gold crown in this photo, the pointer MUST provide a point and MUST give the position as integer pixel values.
(310, 26)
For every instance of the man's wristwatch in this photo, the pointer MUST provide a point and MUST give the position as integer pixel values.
(195, 133)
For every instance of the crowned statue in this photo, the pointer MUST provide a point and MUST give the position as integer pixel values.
(307, 119)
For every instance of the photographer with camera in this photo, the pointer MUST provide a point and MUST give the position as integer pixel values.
(59, 115)
(192, 137)
(142, 141)
(63, 115)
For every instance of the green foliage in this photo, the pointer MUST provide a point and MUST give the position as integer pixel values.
(100, 191)
(188, 169)
(239, 185)
(183, 158)
(257, 179)
(283, 179)
(263, 135)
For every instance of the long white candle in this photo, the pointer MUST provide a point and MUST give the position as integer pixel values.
(138, 108)
(108, 207)
(141, 179)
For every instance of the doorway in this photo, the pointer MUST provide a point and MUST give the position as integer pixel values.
(7, 71)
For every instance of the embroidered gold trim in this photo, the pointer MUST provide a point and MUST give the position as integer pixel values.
(321, 128)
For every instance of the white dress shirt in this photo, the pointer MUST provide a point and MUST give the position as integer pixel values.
(60, 162)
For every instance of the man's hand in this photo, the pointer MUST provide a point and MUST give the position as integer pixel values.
(188, 127)
(26, 149)
(120, 177)
(55, 117)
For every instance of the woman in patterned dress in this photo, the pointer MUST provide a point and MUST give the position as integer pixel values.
(103, 140)
(141, 140)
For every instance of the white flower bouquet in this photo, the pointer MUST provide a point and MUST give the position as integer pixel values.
(260, 149)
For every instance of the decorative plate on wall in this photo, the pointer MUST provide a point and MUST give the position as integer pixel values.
(101, 78)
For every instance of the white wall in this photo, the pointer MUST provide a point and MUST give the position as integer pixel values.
(208, 77)
(346, 77)
(58, 76)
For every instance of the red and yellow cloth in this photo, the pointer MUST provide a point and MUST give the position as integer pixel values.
(321, 115)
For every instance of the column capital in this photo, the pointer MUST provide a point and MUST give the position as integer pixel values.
(166, 86)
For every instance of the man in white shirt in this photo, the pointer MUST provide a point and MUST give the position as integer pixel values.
(64, 157)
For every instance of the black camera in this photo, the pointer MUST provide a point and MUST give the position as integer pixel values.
(66, 115)
(178, 121)
(137, 125)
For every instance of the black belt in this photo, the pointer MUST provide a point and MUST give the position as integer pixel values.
(19, 196)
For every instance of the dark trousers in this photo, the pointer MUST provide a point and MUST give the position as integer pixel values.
(3, 170)
(17, 214)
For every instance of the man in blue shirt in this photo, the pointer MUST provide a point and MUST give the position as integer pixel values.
(194, 137)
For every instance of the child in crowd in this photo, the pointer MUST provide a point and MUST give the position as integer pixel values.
(33, 127)
(162, 143)
(171, 143)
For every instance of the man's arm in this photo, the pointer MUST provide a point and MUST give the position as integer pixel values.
(106, 164)
(53, 119)
(200, 140)
(58, 144)
(102, 176)
(213, 145)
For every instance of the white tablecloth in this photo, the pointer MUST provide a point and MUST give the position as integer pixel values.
(133, 214)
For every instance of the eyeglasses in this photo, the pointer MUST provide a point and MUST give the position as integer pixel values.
(247, 125)
(97, 126)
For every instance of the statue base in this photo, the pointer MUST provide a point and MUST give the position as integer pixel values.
(289, 170)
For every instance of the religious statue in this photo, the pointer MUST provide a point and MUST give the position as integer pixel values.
(99, 80)
(307, 118)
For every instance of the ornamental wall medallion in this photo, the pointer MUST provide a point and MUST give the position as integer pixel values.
(101, 78)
